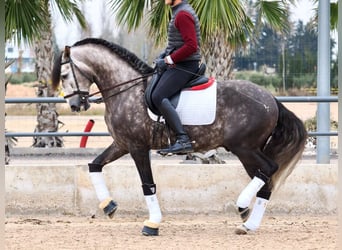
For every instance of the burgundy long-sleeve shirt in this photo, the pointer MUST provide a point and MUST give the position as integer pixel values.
(185, 23)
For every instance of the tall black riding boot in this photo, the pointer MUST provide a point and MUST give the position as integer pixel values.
(183, 143)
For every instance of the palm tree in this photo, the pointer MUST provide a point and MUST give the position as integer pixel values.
(30, 21)
(333, 15)
(224, 25)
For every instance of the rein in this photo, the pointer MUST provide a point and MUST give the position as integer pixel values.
(143, 78)
(85, 94)
(101, 99)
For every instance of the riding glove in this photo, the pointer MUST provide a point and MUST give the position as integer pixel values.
(162, 55)
(161, 65)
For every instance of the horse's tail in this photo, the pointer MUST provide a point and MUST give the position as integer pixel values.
(286, 144)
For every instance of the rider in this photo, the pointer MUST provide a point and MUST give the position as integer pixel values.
(180, 58)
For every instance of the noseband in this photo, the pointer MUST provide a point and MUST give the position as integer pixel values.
(82, 94)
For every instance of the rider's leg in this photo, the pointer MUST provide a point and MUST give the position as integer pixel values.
(170, 83)
(183, 143)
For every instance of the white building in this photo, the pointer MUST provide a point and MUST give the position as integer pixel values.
(24, 58)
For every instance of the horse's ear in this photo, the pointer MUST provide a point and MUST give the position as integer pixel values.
(66, 52)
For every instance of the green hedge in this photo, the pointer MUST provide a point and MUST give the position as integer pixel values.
(267, 81)
(275, 81)
(21, 78)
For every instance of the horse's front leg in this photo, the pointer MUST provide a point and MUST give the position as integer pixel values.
(143, 163)
(107, 204)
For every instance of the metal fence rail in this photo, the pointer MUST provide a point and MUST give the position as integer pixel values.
(76, 134)
(14, 100)
(94, 99)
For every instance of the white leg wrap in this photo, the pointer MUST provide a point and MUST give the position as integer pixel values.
(153, 208)
(99, 184)
(257, 214)
(249, 192)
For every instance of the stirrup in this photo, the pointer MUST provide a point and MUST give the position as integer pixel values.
(177, 148)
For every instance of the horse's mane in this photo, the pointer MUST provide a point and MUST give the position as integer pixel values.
(129, 57)
(123, 53)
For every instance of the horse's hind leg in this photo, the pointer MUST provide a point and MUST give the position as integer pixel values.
(143, 163)
(95, 171)
(253, 221)
(260, 168)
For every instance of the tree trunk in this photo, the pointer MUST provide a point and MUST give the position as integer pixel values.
(47, 116)
(219, 57)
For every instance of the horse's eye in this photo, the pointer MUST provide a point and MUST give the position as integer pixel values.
(64, 77)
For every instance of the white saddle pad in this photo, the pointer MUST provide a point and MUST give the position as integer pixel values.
(196, 107)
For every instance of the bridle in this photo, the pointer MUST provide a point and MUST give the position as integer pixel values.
(84, 95)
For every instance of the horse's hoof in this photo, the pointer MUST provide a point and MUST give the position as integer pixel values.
(162, 153)
(244, 213)
(150, 229)
(242, 229)
(109, 207)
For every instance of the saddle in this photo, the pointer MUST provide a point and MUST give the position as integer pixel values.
(199, 81)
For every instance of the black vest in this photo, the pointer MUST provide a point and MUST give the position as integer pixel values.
(175, 40)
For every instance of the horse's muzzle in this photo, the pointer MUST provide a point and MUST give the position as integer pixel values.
(77, 103)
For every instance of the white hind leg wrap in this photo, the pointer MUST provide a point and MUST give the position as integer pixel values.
(153, 208)
(254, 220)
(249, 192)
(99, 184)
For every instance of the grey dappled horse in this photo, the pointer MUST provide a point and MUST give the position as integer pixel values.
(267, 138)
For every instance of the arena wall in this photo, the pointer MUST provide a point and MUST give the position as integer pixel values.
(47, 188)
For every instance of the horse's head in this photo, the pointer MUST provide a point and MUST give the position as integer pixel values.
(76, 80)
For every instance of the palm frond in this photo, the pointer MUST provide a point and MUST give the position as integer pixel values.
(159, 17)
(333, 16)
(274, 14)
(224, 16)
(129, 12)
(68, 10)
(24, 20)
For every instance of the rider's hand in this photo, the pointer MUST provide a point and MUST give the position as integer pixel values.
(160, 63)
(168, 60)
(161, 55)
